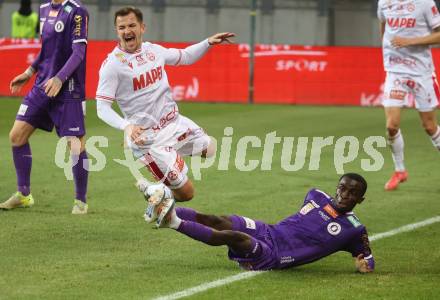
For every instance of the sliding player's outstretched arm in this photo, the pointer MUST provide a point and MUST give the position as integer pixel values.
(193, 53)
(360, 250)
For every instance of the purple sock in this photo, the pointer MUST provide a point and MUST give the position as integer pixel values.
(22, 156)
(196, 231)
(187, 214)
(80, 175)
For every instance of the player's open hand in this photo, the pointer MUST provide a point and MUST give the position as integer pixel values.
(362, 265)
(399, 42)
(135, 133)
(18, 82)
(219, 38)
(53, 86)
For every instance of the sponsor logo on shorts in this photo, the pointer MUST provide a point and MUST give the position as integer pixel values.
(172, 175)
(334, 228)
(286, 259)
(397, 95)
(74, 129)
(250, 224)
(22, 110)
(59, 26)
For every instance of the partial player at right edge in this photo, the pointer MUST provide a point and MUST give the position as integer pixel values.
(410, 71)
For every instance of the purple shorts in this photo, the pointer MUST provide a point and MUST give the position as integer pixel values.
(43, 112)
(263, 255)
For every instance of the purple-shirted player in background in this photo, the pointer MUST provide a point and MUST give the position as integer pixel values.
(324, 225)
(55, 99)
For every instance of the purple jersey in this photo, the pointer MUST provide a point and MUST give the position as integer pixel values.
(316, 231)
(61, 26)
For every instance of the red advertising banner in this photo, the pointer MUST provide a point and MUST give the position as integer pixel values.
(283, 73)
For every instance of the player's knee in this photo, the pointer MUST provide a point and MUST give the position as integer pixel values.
(16, 138)
(392, 130)
(183, 195)
(430, 127)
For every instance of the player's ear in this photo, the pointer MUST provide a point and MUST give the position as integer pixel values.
(143, 28)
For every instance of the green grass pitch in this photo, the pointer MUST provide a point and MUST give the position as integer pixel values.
(111, 253)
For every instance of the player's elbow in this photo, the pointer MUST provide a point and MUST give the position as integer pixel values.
(100, 110)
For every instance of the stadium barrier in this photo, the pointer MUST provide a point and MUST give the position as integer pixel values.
(284, 74)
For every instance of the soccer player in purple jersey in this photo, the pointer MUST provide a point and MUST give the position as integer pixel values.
(323, 225)
(55, 99)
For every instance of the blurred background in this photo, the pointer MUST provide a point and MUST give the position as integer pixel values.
(300, 22)
(313, 52)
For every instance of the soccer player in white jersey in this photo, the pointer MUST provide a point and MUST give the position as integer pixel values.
(133, 75)
(410, 71)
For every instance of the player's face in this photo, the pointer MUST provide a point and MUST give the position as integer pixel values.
(348, 194)
(130, 32)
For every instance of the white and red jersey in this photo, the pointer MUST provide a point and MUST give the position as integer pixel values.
(408, 18)
(139, 83)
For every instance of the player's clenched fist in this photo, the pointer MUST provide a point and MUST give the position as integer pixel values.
(362, 264)
(135, 132)
(18, 82)
(219, 38)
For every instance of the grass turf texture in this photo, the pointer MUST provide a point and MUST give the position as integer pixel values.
(46, 253)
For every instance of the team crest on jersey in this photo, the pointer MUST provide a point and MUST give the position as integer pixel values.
(141, 61)
(334, 228)
(151, 56)
(59, 26)
(410, 7)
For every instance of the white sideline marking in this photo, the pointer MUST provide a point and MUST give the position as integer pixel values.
(209, 285)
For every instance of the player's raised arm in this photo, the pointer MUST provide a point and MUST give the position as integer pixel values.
(193, 53)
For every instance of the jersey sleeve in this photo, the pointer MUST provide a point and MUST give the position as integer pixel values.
(186, 56)
(108, 82)
(79, 30)
(361, 245)
(380, 14)
(431, 14)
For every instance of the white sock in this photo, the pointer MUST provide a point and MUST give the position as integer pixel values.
(175, 220)
(435, 138)
(168, 192)
(396, 144)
